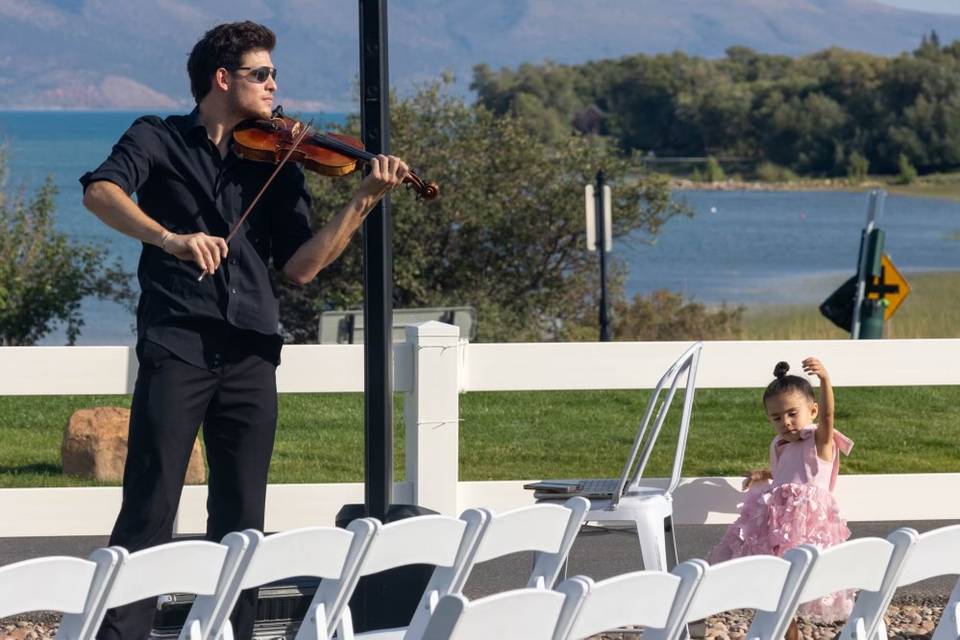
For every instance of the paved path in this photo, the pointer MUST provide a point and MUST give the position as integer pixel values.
(599, 554)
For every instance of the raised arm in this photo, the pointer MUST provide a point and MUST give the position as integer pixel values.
(386, 173)
(824, 436)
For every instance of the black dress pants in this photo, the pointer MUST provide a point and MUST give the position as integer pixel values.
(237, 406)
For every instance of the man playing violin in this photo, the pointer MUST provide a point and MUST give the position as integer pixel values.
(208, 348)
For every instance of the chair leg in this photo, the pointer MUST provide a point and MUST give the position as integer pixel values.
(652, 544)
(673, 556)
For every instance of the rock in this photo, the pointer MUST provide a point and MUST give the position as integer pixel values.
(95, 446)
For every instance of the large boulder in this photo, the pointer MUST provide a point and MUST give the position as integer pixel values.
(95, 446)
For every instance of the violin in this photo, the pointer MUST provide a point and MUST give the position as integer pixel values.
(281, 139)
(329, 154)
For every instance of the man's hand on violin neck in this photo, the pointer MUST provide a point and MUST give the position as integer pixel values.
(386, 173)
(206, 251)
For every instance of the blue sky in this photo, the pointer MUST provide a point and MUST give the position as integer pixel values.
(936, 6)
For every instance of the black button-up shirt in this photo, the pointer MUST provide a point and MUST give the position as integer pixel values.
(182, 182)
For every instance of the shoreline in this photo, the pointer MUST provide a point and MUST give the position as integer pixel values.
(930, 188)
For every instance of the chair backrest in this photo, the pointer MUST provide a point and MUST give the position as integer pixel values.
(913, 557)
(937, 553)
(766, 583)
(187, 566)
(523, 614)
(549, 530)
(633, 469)
(871, 565)
(653, 599)
(72, 586)
(449, 544)
(328, 553)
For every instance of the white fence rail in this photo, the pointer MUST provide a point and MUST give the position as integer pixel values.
(433, 367)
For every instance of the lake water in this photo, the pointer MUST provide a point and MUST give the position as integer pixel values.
(739, 247)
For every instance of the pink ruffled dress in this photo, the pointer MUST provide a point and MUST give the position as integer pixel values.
(796, 507)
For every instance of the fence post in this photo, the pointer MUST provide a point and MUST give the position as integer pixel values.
(431, 413)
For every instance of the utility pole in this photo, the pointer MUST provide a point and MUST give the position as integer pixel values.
(599, 231)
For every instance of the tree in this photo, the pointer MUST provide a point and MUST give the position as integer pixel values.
(507, 233)
(43, 276)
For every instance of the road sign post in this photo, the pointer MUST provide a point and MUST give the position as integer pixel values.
(863, 303)
(871, 247)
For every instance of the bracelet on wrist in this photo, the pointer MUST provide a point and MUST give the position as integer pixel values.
(163, 240)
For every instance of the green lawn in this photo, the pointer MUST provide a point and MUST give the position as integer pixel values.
(515, 435)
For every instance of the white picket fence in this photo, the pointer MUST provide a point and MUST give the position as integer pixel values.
(434, 367)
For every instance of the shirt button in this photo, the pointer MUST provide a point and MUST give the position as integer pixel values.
(233, 291)
(233, 261)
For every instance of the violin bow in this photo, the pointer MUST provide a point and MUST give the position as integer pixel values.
(296, 142)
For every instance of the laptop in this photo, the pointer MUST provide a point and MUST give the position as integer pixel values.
(595, 489)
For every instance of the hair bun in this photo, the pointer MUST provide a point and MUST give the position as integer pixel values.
(781, 369)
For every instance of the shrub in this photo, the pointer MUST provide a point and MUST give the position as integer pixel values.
(908, 174)
(665, 315)
(713, 172)
(857, 167)
(771, 172)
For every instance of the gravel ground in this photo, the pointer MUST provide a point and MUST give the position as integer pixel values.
(906, 620)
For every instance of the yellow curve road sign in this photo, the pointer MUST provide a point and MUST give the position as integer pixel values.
(891, 287)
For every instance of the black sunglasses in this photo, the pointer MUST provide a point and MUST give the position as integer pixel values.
(258, 74)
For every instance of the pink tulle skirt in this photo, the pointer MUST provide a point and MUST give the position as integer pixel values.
(774, 520)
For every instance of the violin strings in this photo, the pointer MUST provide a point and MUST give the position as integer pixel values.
(236, 227)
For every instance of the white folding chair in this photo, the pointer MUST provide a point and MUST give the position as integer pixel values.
(649, 508)
(72, 586)
(652, 599)
(449, 544)
(871, 565)
(328, 553)
(189, 566)
(936, 553)
(768, 584)
(522, 614)
(546, 529)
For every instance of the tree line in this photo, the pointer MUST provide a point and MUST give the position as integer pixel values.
(831, 113)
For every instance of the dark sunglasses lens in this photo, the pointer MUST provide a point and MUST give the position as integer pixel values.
(262, 73)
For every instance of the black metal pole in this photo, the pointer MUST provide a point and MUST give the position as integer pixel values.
(377, 269)
(602, 250)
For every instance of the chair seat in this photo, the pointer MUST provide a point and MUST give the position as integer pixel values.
(383, 634)
(644, 501)
(646, 509)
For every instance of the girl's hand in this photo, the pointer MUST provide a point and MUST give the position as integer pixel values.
(751, 478)
(814, 367)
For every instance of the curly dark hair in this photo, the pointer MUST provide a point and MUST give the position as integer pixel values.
(785, 384)
(224, 46)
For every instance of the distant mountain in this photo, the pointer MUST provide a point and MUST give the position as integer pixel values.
(131, 54)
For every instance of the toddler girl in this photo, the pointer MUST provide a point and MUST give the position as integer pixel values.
(793, 503)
